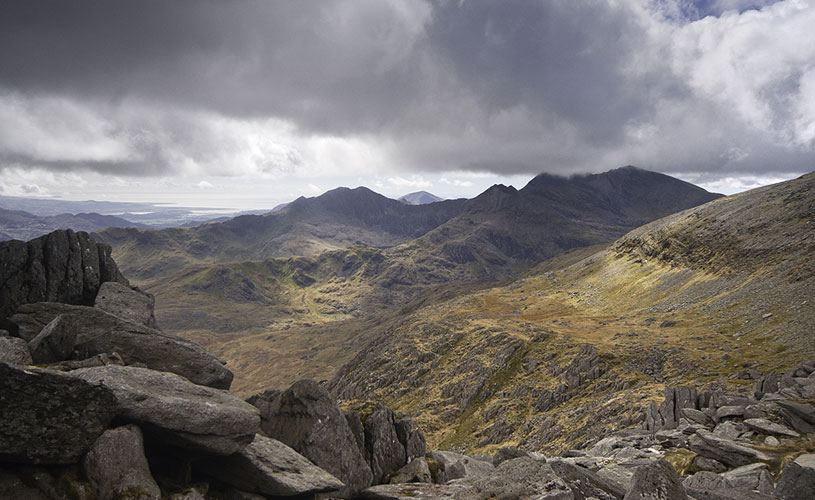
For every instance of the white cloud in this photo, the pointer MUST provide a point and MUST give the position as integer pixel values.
(415, 182)
(205, 185)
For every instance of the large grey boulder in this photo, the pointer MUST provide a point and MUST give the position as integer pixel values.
(306, 418)
(269, 467)
(417, 471)
(797, 482)
(656, 481)
(62, 266)
(117, 468)
(14, 351)
(385, 452)
(93, 331)
(48, 417)
(182, 413)
(765, 426)
(56, 341)
(585, 483)
(127, 303)
(724, 450)
(522, 477)
(450, 465)
(800, 416)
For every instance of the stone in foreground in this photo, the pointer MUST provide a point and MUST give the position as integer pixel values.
(269, 467)
(117, 467)
(124, 302)
(656, 481)
(47, 417)
(184, 414)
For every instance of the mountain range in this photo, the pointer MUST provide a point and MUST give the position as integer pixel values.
(20, 225)
(320, 274)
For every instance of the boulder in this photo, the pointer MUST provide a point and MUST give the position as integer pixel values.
(453, 465)
(62, 266)
(748, 477)
(269, 467)
(800, 416)
(507, 453)
(127, 303)
(764, 426)
(729, 412)
(56, 341)
(796, 482)
(116, 466)
(728, 430)
(48, 417)
(587, 484)
(14, 351)
(618, 473)
(385, 452)
(656, 481)
(522, 477)
(806, 460)
(724, 450)
(708, 464)
(97, 332)
(181, 413)
(306, 418)
(417, 471)
(697, 416)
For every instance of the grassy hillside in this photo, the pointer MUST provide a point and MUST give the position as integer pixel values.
(576, 348)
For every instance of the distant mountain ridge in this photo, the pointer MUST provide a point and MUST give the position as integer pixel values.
(20, 225)
(337, 219)
(420, 198)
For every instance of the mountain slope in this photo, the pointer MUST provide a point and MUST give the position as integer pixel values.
(20, 225)
(577, 348)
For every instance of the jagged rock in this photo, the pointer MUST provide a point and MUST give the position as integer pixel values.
(724, 450)
(656, 481)
(749, 477)
(97, 332)
(56, 341)
(507, 453)
(417, 471)
(800, 416)
(48, 417)
(586, 484)
(182, 413)
(766, 427)
(708, 464)
(124, 302)
(306, 418)
(385, 452)
(456, 466)
(796, 482)
(14, 351)
(705, 480)
(696, 416)
(269, 467)
(727, 430)
(618, 473)
(729, 411)
(413, 491)
(668, 413)
(62, 266)
(117, 468)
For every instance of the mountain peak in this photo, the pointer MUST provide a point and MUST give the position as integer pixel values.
(420, 198)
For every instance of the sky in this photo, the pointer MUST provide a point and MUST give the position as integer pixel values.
(251, 103)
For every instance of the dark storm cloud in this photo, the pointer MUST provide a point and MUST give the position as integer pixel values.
(509, 87)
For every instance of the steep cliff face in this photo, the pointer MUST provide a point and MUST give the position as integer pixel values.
(62, 266)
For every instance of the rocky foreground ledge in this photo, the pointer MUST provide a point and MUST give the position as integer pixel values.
(97, 403)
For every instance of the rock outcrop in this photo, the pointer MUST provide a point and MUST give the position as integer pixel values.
(48, 417)
(60, 332)
(307, 418)
(180, 412)
(116, 466)
(62, 266)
